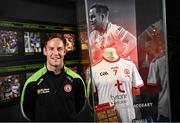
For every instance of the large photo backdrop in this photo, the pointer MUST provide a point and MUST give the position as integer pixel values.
(128, 67)
(115, 80)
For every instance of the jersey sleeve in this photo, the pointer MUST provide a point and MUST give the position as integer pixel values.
(152, 74)
(120, 32)
(28, 101)
(136, 78)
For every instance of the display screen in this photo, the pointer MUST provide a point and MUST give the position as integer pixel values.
(9, 87)
(8, 42)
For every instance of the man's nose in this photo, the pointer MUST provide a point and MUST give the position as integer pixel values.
(55, 51)
(90, 19)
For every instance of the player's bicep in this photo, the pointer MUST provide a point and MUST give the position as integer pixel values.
(130, 40)
(127, 40)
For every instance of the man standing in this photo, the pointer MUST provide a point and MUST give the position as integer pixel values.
(53, 93)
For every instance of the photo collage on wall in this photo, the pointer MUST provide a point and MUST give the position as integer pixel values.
(27, 39)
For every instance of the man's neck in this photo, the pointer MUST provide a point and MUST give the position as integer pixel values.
(104, 28)
(55, 69)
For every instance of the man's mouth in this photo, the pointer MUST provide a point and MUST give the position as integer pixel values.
(92, 23)
(55, 59)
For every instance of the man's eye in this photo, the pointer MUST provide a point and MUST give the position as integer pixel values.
(92, 16)
(59, 49)
(51, 49)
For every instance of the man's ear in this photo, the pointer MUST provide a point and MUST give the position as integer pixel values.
(44, 51)
(103, 16)
(65, 51)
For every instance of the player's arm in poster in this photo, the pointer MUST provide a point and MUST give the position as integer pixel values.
(129, 41)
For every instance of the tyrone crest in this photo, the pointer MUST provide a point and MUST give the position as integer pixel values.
(68, 88)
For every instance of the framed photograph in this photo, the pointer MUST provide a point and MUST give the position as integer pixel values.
(32, 42)
(10, 87)
(8, 43)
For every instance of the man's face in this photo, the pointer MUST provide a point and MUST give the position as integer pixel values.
(95, 19)
(55, 52)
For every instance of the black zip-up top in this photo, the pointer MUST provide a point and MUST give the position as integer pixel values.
(49, 97)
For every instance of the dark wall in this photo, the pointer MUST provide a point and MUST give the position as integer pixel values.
(46, 11)
(147, 13)
(11, 113)
(173, 25)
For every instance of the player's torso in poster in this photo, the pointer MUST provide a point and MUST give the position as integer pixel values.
(114, 37)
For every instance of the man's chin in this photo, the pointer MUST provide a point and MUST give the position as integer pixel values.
(92, 27)
(55, 65)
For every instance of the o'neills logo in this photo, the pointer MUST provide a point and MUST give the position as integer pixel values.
(43, 91)
(67, 88)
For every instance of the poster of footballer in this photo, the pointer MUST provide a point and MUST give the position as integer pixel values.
(117, 78)
(112, 24)
(113, 54)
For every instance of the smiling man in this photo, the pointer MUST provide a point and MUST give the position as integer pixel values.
(53, 93)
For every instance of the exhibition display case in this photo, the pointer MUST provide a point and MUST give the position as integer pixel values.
(128, 61)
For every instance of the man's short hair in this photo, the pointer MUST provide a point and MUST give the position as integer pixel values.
(54, 35)
(100, 8)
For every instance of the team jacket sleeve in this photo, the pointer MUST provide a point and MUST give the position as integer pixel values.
(80, 95)
(28, 101)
